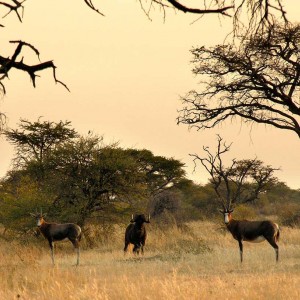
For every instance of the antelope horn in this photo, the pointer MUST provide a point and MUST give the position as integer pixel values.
(229, 204)
(223, 203)
(132, 217)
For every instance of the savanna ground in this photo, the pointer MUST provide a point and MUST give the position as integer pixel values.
(200, 264)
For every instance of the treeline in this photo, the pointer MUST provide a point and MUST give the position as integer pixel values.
(82, 179)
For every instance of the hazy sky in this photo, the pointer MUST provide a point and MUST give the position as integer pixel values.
(126, 75)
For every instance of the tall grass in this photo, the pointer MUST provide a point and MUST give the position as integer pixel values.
(199, 261)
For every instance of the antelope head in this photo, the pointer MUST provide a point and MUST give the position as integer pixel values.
(39, 217)
(226, 211)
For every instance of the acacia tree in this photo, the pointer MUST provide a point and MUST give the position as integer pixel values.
(90, 178)
(240, 182)
(82, 174)
(87, 176)
(257, 81)
(33, 140)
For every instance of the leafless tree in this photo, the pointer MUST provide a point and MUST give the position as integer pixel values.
(240, 182)
(257, 81)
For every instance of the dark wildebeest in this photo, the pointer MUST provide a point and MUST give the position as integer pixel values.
(56, 232)
(252, 231)
(136, 233)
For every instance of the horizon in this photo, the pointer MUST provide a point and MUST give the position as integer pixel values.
(126, 75)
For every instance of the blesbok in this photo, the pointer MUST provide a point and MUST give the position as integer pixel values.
(57, 232)
(136, 233)
(252, 231)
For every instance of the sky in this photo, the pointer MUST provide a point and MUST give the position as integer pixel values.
(126, 74)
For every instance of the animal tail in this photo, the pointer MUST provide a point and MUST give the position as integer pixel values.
(79, 234)
(277, 234)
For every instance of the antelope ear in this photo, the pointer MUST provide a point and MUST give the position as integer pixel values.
(44, 215)
(221, 211)
(230, 211)
(31, 214)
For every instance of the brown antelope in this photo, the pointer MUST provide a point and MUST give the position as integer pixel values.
(56, 232)
(252, 231)
(136, 233)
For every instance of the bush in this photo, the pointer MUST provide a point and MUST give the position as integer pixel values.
(244, 211)
(290, 214)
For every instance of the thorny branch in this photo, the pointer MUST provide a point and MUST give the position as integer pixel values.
(6, 64)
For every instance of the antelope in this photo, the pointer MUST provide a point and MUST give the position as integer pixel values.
(136, 233)
(252, 231)
(56, 232)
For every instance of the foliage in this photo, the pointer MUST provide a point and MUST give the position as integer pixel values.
(161, 172)
(245, 212)
(197, 201)
(34, 140)
(19, 195)
(290, 214)
(167, 200)
(78, 178)
(90, 176)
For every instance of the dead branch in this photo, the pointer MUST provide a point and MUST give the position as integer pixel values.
(6, 64)
(240, 182)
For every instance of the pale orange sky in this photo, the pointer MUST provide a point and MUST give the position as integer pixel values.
(126, 75)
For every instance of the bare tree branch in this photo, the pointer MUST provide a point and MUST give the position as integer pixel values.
(15, 7)
(6, 64)
(240, 182)
(220, 10)
(90, 4)
(261, 15)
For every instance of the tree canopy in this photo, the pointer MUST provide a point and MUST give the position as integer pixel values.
(82, 176)
(33, 140)
(257, 80)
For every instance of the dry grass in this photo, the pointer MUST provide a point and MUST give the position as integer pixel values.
(201, 265)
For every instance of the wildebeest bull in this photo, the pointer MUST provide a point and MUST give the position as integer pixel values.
(136, 233)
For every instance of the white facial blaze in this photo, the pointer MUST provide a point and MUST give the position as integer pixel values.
(39, 222)
(226, 218)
